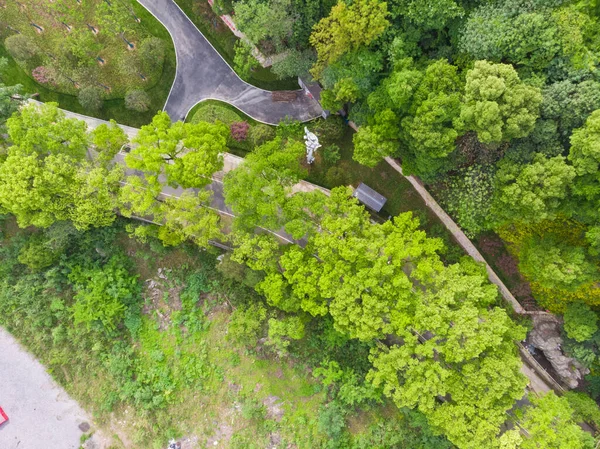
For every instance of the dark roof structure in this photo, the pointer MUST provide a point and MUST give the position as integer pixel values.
(369, 197)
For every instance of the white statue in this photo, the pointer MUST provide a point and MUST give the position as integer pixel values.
(312, 143)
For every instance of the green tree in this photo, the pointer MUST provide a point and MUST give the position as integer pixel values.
(43, 129)
(580, 321)
(549, 423)
(282, 331)
(457, 345)
(497, 105)
(189, 218)
(585, 156)
(569, 104)
(259, 187)
(427, 15)
(347, 28)
(531, 193)
(108, 139)
(352, 269)
(555, 264)
(90, 98)
(11, 98)
(265, 20)
(246, 324)
(187, 153)
(138, 100)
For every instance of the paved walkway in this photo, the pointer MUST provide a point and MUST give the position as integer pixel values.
(41, 414)
(203, 74)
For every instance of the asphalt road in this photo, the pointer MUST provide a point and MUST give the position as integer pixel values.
(203, 74)
(41, 414)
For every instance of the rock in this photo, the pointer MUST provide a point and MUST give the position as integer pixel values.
(84, 427)
(546, 337)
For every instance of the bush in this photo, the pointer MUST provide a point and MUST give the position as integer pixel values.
(331, 154)
(260, 134)
(91, 98)
(44, 75)
(210, 112)
(21, 47)
(152, 53)
(330, 130)
(239, 130)
(580, 322)
(246, 324)
(137, 100)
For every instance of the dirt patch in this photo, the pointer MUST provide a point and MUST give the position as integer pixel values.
(162, 297)
(274, 407)
(221, 437)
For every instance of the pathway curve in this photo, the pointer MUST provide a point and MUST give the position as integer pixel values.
(203, 74)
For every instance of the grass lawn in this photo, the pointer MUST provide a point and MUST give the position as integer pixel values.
(221, 37)
(112, 109)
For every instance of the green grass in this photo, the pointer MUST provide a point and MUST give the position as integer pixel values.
(112, 109)
(221, 37)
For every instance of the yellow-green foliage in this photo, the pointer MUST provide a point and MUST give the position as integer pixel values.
(564, 230)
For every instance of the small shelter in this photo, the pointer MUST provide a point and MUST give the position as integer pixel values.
(369, 197)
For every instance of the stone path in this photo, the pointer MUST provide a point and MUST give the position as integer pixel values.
(203, 74)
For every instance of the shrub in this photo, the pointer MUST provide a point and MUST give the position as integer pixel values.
(580, 321)
(102, 294)
(330, 130)
(137, 100)
(239, 130)
(44, 75)
(331, 154)
(152, 53)
(260, 134)
(210, 112)
(467, 199)
(91, 98)
(246, 324)
(21, 47)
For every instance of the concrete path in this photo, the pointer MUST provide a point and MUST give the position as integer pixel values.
(203, 74)
(41, 414)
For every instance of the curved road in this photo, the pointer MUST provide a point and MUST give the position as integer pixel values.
(203, 74)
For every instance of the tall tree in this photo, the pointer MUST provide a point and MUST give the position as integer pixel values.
(549, 424)
(533, 192)
(187, 154)
(258, 189)
(497, 104)
(457, 363)
(347, 28)
(585, 156)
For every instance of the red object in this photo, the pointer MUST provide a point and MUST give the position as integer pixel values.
(3, 417)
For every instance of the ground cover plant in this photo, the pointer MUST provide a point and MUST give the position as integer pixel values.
(94, 57)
